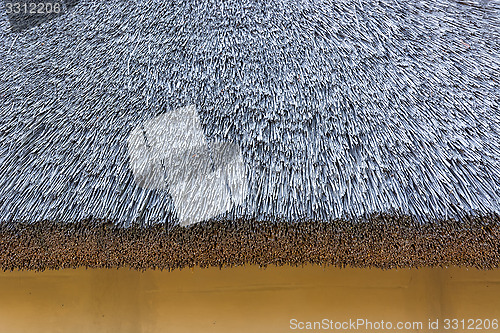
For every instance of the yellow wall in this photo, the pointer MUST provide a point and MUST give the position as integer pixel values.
(244, 299)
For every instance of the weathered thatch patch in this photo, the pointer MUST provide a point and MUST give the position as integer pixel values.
(383, 241)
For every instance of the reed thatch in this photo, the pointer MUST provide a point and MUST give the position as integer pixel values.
(341, 110)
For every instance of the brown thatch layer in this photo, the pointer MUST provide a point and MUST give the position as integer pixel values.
(383, 241)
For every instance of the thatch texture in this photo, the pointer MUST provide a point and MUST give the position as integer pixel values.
(341, 109)
(381, 241)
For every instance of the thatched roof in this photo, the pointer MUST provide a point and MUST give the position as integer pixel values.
(341, 109)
